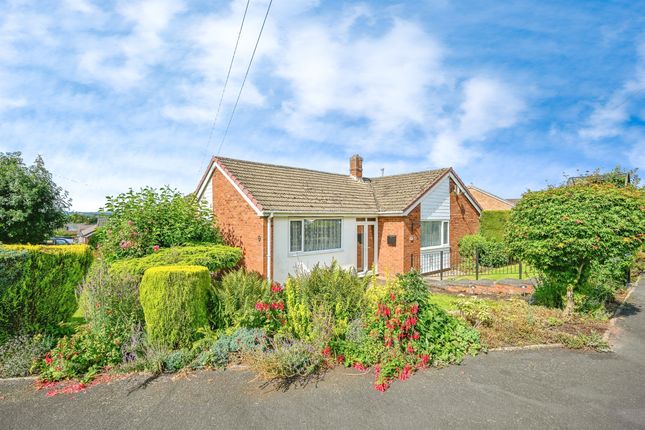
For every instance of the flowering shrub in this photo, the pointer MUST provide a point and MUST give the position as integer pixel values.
(142, 222)
(84, 354)
(272, 309)
(406, 332)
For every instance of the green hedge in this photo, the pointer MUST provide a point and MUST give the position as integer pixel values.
(174, 301)
(38, 286)
(492, 224)
(491, 252)
(214, 257)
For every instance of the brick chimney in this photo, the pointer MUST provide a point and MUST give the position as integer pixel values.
(356, 166)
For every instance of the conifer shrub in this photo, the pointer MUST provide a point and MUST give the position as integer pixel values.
(214, 257)
(174, 301)
(38, 286)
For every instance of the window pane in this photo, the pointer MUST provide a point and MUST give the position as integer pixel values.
(322, 234)
(445, 233)
(430, 233)
(295, 236)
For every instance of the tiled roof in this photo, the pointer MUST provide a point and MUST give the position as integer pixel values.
(395, 193)
(292, 189)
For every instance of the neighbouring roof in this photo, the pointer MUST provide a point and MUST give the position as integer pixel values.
(276, 188)
(484, 199)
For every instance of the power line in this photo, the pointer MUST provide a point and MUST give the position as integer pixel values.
(257, 42)
(228, 75)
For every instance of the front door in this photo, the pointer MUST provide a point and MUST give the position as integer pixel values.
(365, 233)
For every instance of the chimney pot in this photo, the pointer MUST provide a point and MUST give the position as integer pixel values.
(356, 166)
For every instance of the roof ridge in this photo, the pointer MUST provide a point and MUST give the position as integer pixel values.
(257, 163)
(412, 173)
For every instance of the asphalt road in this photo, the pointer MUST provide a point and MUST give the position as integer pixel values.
(553, 388)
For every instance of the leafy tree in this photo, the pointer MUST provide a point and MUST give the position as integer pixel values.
(142, 222)
(563, 231)
(81, 218)
(32, 206)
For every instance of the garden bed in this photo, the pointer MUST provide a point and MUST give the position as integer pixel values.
(513, 322)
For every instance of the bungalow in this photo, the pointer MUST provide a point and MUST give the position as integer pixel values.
(287, 219)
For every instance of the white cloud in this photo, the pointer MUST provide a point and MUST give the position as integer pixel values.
(380, 79)
(608, 119)
(488, 106)
(122, 62)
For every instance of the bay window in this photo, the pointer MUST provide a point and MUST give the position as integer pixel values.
(434, 233)
(314, 235)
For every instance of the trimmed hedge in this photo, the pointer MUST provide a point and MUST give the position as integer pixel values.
(174, 301)
(38, 286)
(214, 257)
(491, 252)
(492, 224)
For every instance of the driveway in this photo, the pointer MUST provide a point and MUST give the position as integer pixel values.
(552, 388)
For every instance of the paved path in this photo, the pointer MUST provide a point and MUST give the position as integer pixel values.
(539, 389)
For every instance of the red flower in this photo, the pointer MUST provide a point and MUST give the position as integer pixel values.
(415, 336)
(48, 359)
(392, 297)
(326, 351)
(410, 349)
(359, 366)
(425, 358)
(414, 309)
(382, 387)
(340, 358)
(276, 287)
(405, 372)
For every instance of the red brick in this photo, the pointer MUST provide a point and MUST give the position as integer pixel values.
(239, 223)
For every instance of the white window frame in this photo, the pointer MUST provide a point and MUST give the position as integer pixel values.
(445, 241)
(302, 237)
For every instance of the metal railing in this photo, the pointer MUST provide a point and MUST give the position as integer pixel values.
(448, 264)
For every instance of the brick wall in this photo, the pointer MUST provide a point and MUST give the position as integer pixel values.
(239, 224)
(490, 203)
(464, 219)
(405, 254)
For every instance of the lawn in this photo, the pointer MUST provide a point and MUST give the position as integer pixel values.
(514, 322)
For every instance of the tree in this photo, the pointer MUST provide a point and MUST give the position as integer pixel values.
(32, 206)
(142, 222)
(563, 231)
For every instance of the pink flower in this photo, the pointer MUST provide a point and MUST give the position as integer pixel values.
(414, 309)
(410, 349)
(155, 248)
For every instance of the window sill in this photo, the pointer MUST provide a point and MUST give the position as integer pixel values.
(436, 247)
(306, 253)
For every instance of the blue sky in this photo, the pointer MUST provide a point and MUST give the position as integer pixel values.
(512, 94)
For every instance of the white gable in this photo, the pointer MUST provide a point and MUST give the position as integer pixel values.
(207, 196)
(436, 204)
